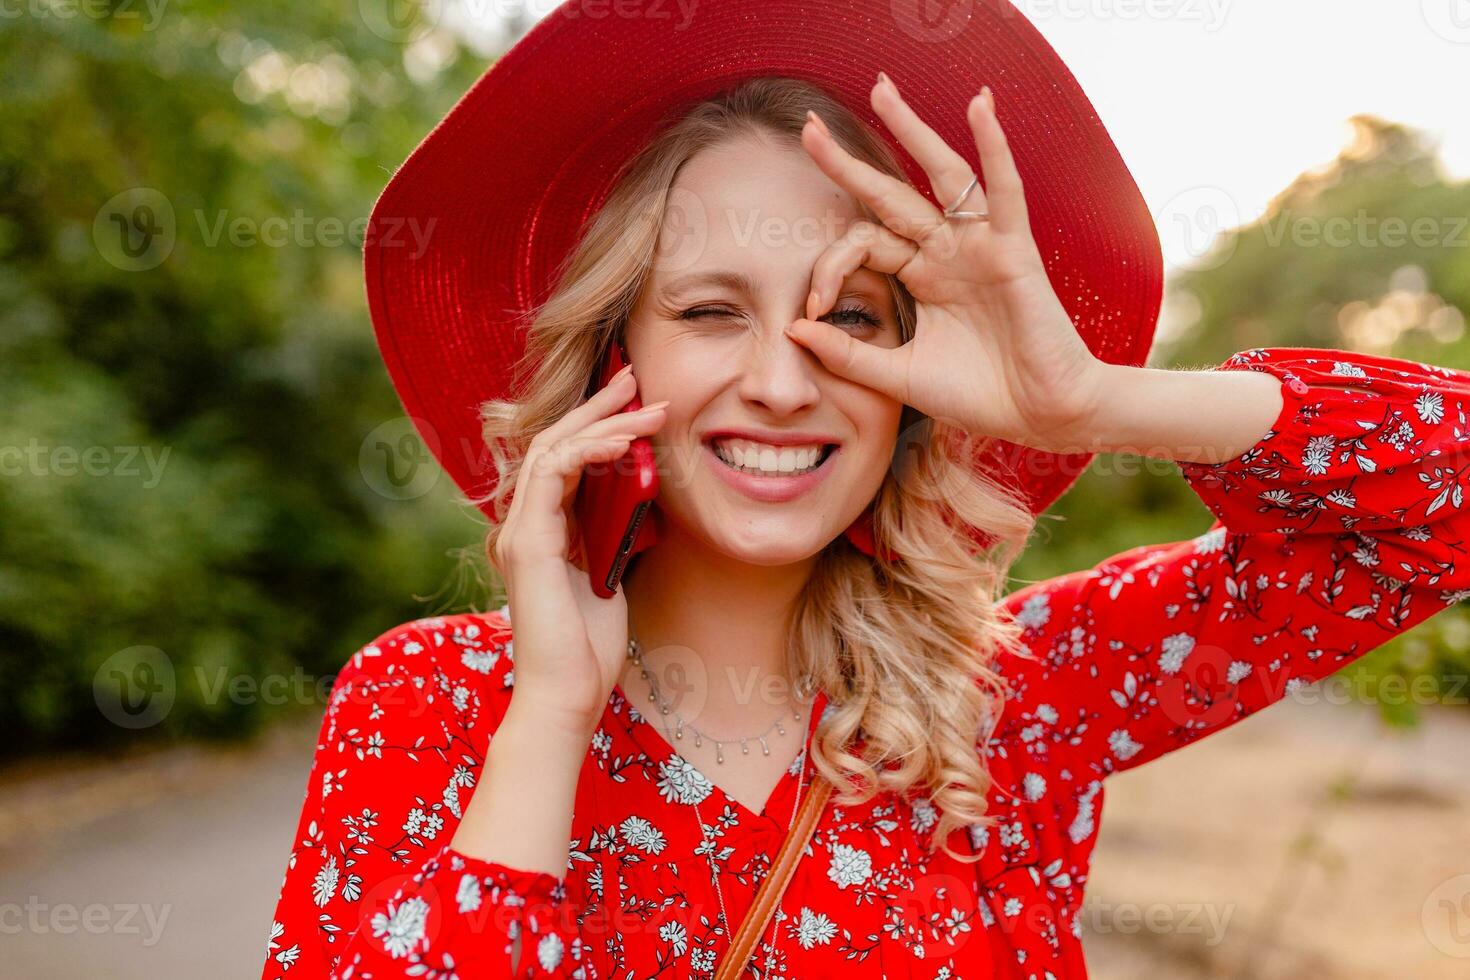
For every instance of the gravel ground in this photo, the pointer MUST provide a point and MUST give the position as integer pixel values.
(1305, 843)
(1326, 845)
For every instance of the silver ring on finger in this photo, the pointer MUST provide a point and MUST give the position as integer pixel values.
(953, 212)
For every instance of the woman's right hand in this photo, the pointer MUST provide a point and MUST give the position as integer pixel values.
(570, 643)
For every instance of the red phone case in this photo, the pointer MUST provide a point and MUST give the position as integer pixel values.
(613, 499)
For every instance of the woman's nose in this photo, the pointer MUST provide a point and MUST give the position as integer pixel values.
(777, 372)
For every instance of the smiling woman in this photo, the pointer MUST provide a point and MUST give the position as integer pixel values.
(723, 350)
(706, 332)
(810, 712)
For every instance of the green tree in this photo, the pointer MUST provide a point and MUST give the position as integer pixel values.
(184, 414)
(1372, 253)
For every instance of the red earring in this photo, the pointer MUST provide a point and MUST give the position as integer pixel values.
(860, 533)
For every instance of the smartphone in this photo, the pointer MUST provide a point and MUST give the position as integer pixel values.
(613, 497)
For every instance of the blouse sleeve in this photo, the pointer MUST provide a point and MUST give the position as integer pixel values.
(372, 888)
(1341, 528)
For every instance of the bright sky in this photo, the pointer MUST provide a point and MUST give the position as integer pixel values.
(1217, 104)
(1226, 101)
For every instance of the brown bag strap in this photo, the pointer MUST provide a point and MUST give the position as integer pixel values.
(769, 894)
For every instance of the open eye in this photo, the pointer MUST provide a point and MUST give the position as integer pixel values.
(854, 316)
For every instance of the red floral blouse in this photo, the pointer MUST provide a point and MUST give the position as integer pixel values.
(1342, 527)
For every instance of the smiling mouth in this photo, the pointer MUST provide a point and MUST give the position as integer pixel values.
(771, 462)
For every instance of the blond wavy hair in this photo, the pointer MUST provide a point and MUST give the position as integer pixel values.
(903, 648)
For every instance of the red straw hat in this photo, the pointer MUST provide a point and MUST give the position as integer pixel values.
(469, 231)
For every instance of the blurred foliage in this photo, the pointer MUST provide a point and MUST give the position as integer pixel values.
(245, 369)
(223, 395)
(1370, 253)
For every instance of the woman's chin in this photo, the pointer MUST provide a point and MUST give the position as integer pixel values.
(772, 545)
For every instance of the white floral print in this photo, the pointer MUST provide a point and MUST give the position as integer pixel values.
(1339, 529)
(849, 865)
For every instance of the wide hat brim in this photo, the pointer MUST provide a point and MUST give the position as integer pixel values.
(467, 235)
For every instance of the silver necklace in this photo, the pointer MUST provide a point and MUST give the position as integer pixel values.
(635, 654)
(706, 834)
(716, 872)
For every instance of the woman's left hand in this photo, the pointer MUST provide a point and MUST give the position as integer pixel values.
(993, 350)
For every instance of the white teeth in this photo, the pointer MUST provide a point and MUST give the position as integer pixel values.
(768, 460)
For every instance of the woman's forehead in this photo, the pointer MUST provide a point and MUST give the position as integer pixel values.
(750, 184)
(747, 214)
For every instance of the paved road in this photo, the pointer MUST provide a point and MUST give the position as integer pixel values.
(160, 868)
(1328, 847)
(168, 866)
